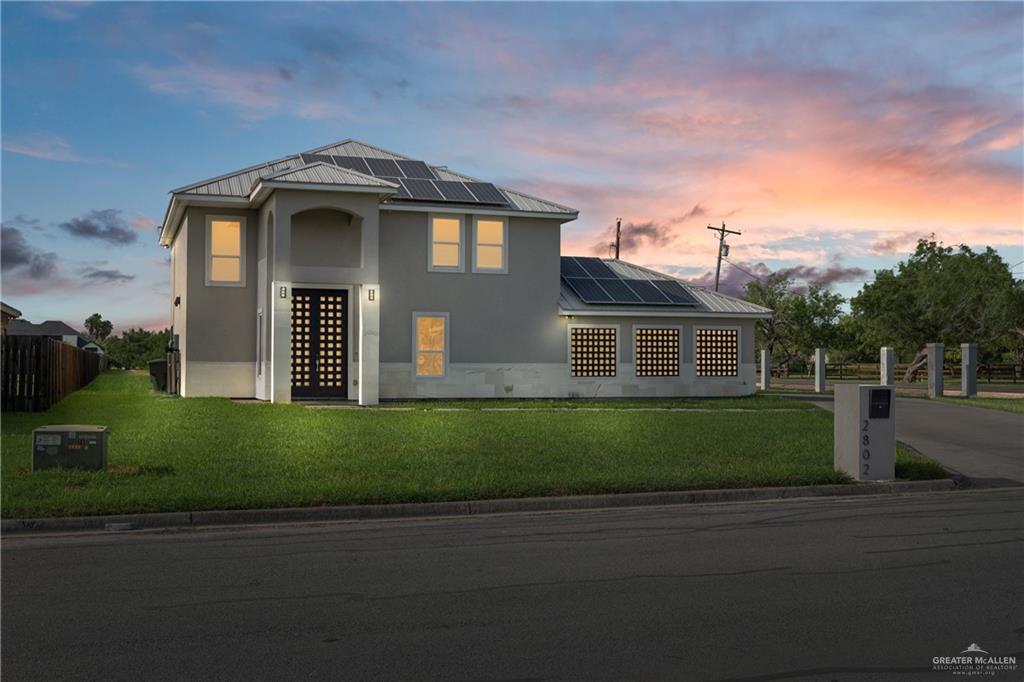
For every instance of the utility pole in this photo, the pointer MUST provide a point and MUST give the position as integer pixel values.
(721, 247)
(618, 236)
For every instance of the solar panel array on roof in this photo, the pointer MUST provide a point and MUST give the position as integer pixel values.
(595, 282)
(416, 180)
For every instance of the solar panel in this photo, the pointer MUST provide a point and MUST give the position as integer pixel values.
(416, 169)
(588, 290)
(647, 292)
(421, 189)
(618, 290)
(595, 267)
(486, 193)
(453, 190)
(314, 158)
(384, 167)
(401, 192)
(675, 292)
(356, 163)
(570, 268)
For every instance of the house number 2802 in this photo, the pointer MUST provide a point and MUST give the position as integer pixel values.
(865, 453)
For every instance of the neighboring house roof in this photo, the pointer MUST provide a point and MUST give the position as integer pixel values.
(707, 302)
(237, 186)
(9, 310)
(47, 328)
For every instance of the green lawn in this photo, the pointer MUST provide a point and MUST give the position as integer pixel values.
(210, 453)
(752, 402)
(1015, 405)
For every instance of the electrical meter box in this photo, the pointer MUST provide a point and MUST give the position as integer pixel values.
(73, 446)
(865, 431)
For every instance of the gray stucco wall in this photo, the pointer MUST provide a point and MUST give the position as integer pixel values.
(509, 317)
(327, 239)
(221, 320)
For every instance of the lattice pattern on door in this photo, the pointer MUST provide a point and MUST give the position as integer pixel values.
(331, 350)
(718, 352)
(302, 319)
(657, 352)
(593, 351)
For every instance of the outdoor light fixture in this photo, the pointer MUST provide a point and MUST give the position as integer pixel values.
(177, 301)
(373, 294)
(284, 292)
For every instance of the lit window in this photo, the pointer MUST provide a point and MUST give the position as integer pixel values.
(657, 352)
(225, 255)
(431, 342)
(717, 352)
(593, 351)
(446, 243)
(489, 245)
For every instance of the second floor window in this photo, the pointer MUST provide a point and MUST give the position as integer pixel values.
(225, 251)
(490, 245)
(445, 248)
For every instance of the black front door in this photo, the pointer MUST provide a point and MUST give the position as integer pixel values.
(320, 343)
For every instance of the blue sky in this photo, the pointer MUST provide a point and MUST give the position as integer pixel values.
(832, 135)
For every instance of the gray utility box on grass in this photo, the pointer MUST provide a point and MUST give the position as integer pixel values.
(865, 431)
(73, 446)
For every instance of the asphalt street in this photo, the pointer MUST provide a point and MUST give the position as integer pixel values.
(844, 588)
(986, 446)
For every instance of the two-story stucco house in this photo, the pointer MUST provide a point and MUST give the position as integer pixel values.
(353, 273)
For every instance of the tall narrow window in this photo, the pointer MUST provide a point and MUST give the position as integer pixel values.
(445, 244)
(490, 245)
(225, 251)
(431, 344)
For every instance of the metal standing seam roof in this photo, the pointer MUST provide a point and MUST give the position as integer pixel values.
(708, 302)
(321, 173)
(239, 183)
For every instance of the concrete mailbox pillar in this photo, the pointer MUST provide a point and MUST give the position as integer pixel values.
(865, 431)
(935, 386)
(968, 370)
(819, 370)
(887, 360)
(766, 369)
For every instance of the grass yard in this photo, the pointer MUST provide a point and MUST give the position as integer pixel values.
(1014, 405)
(209, 453)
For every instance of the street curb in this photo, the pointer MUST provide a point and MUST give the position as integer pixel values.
(122, 522)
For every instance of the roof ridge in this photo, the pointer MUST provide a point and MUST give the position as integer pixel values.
(365, 144)
(230, 174)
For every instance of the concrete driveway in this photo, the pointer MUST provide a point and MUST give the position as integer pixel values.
(986, 446)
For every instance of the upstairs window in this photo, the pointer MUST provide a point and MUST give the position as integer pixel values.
(717, 352)
(490, 245)
(431, 337)
(445, 248)
(225, 251)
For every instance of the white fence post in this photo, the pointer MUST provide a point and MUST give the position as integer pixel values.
(888, 366)
(766, 369)
(819, 370)
(935, 383)
(968, 370)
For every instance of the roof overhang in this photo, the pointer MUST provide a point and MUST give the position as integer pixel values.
(264, 188)
(180, 202)
(475, 210)
(647, 312)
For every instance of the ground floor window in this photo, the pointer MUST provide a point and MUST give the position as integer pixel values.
(431, 340)
(656, 351)
(717, 352)
(593, 351)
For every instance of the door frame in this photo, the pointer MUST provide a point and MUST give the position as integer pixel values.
(350, 365)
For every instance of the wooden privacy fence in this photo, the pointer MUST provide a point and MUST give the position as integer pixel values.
(38, 372)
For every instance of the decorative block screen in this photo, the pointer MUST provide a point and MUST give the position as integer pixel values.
(717, 352)
(302, 314)
(593, 351)
(657, 352)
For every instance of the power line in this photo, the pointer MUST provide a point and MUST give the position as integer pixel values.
(723, 250)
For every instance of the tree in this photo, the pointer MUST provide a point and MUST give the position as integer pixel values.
(98, 328)
(940, 294)
(135, 347)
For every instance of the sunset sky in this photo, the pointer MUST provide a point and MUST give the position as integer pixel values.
(832, 135)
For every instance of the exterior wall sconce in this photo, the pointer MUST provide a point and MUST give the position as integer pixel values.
(284, 292)
(372, 294)
(177, 301)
